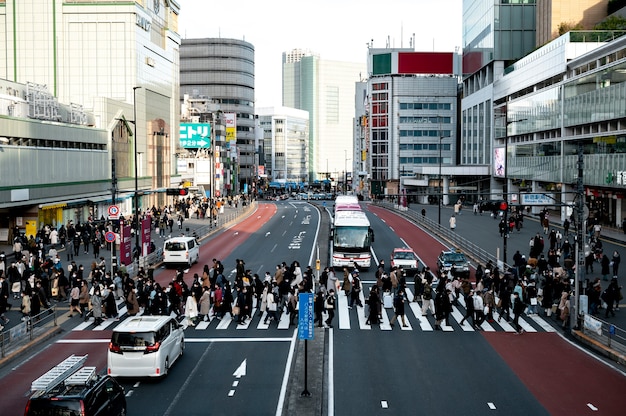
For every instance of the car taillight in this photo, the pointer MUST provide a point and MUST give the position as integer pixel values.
(115, 348)
(82, 408)
(152, 348)
(186, 254)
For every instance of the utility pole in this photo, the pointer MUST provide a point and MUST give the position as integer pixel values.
(580, 240)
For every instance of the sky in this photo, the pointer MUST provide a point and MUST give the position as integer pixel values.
(337, 30)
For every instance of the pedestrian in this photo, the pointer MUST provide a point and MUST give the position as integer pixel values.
(398, 306)
(609, 296)
(605, 264)
(426, 297)
(355, 293)
(318, 307)
(272, 308)
(204, 305)
(83, 299)
(479, 309)
(373, 302)
(191, 310)
(518, 308)
(96, 305)
(565, 310)
(452, 222)
(330, 307)
(75, 300)
(442, 307)
(469, 311)
(132, 304)
(26, 305)
(615, 260)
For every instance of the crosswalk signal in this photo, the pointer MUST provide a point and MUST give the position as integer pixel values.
(503, 206)
(177, 191)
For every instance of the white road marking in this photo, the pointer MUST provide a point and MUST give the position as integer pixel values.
(231, 393)
(83, 341)
(384, 404)
(283, 387)
(129, 393)
(136, 384)
(204, 340)
(344, 312)
(331, 373)
(592, 407)
(491, 406)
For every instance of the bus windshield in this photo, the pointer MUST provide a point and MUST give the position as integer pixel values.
(352, 237)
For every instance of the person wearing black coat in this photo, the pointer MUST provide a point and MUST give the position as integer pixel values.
(374, 306)
(109, 303)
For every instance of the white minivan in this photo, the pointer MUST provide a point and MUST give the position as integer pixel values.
(145, 346)
(181, 250)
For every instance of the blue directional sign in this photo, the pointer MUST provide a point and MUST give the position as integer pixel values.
(195, 135)
(305, 316)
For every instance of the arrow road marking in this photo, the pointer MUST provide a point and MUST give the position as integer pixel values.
(241, 370)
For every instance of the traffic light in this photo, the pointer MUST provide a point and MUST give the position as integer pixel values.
(177, 191)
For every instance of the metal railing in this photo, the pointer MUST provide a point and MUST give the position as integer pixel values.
(475, 253)
(605, 333)
(28, 329)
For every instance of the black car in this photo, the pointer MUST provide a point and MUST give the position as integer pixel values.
(492, 206)
(454, 262)
(83, 394)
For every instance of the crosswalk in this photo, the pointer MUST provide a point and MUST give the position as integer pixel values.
(351, 318)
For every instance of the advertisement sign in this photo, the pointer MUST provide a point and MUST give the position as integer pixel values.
(592, 324)
(146, 227)
(498, 162)
(305, 316)
(195, 135)
(125, 245)
(230, 120)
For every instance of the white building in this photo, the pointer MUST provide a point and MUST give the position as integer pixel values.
(325, 89)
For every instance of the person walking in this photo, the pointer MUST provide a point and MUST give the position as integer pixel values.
(442, 307)
(355, 293)
(479, 309)
(426, 297)
(75, 300)
(373, 302)
(330, 307)
(398, 305)
(469, 311)
(96, 305)
(453, 222)
(318, 306)
(615, 261)
(518, 308)
(83, 300)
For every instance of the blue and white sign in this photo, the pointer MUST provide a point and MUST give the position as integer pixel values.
(542, 199)
(195, 135)
(305, 316)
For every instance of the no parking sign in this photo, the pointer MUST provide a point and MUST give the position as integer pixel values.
(114, 212)
(109, 236)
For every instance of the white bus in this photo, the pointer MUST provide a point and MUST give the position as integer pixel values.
(352, 238)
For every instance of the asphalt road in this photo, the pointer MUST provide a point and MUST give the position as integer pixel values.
(230, 369)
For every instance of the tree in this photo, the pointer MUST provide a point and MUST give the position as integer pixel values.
(565, 27)
(612, 23)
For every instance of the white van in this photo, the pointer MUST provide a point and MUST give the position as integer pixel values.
(145, 346)
(181, 250)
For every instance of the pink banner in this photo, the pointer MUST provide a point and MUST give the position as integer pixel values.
(146, 228)
(126, 257)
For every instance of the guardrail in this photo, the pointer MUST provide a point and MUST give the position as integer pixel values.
(605, 333)
(28, 329)
(475, 253)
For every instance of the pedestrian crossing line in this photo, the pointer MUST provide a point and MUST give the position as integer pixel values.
(283, 323)
(384, 322)
(525, 325)
(360, 311)
(343, 311)
(458, 316)
(246, 323)
(203, 325)
(487, 327)
(417, 311)
(542, 323)
(109, 321)
(261, 324)
(503, 323)
(226, 320)
(84, 325)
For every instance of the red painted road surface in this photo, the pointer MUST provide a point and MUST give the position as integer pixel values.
(15, 387)
(564, 379)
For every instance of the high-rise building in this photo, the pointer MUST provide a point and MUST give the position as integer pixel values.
(326, 90)
(222, 71)
(117, 60)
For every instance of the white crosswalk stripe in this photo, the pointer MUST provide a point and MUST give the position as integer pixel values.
(356, 317)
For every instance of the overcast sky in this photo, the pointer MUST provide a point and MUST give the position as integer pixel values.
(336, 30)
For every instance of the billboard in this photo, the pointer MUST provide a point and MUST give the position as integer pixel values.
(230, 119)
(195, 135)
(499, 164)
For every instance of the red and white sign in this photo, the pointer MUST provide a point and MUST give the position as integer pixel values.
(109, 236)
(114, 212)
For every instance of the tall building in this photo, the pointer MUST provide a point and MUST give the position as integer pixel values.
(284, 147)
(117, 60)
(411, 132)
(326, 90)
(555, 14)
(222, 71)
(495, 34)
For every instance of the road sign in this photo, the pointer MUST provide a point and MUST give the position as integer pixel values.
(109, 236)
(538, 199)
(305, 316)
(114, 212)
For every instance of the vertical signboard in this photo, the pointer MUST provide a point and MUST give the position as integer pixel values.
(125, 245)
(230, 119)
(146, 226)
(305, 316)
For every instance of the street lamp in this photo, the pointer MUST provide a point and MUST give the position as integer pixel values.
(505, 188)
(439, 199)
(137, 227)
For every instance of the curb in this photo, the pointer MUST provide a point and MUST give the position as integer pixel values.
(599, 347)
(52, 332)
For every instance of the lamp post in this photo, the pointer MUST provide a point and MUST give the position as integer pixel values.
(439, 199)
(505, 188)
(137, 226)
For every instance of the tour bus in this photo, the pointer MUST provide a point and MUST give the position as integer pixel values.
(352, 238)
(145, 346)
